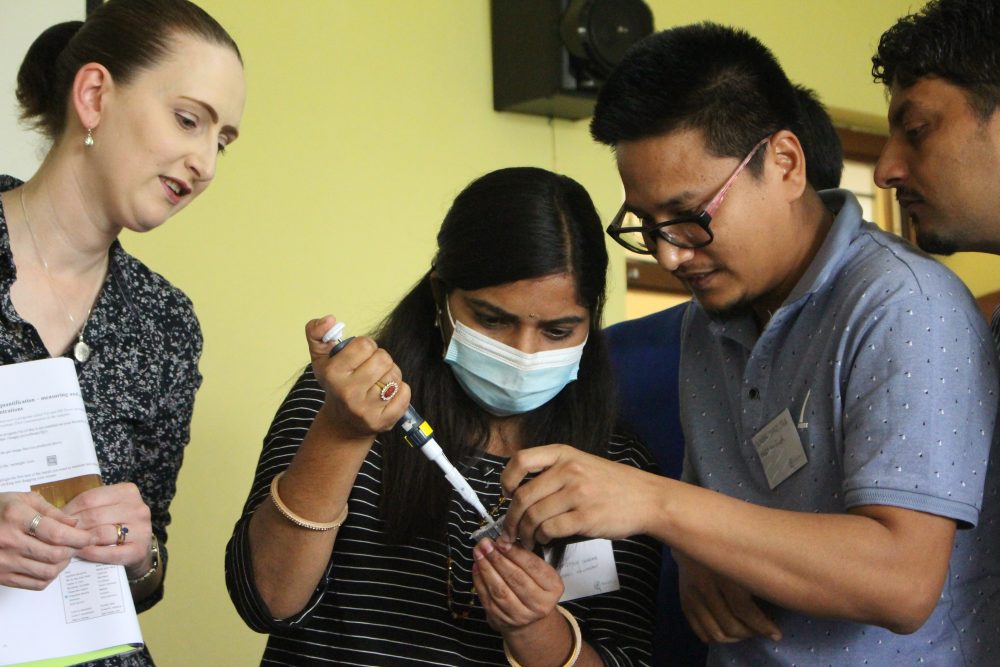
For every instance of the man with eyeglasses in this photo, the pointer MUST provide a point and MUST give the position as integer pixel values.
(838, 388)
(647, 349)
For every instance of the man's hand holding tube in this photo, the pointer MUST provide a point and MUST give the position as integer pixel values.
(575, 494)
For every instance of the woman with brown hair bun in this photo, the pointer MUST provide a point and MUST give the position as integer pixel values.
(138, 102)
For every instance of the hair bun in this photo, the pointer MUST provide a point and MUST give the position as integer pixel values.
(125, 37)
(36, 77)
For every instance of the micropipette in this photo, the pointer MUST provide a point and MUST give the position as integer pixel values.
(418, 433)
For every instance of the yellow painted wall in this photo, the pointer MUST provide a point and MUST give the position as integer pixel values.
(365, 118)
(979, 271)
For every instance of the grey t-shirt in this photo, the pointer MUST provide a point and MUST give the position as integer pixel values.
(889, 375)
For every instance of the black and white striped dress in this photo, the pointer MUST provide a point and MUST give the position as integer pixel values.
(386, 604)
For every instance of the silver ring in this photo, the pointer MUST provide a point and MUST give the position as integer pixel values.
(33, 526)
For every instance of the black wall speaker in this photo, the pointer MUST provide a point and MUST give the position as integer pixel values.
(550, 57)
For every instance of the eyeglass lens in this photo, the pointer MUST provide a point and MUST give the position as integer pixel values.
(683, 234)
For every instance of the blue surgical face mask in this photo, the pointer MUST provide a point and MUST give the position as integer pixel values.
(503, 380)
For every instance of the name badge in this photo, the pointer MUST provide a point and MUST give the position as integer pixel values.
(588, 568)
(780, 449)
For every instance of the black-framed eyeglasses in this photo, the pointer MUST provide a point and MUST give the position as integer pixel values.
(686, 231)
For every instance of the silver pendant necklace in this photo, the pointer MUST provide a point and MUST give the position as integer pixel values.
(81, 351)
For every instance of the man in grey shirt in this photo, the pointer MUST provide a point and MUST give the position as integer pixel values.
(838, 388)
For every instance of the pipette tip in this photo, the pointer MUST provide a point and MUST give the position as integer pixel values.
(490, 530)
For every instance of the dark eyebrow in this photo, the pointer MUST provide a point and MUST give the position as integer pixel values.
(896, 117)
(562, 321)
(226, 129)
(493, 310)
(511, 317)
(678, 202)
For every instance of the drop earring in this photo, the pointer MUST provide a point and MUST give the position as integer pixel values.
(89, 139)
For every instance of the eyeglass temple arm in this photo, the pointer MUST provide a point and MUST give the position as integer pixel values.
(717, 202)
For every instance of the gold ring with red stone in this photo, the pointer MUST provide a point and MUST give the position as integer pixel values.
(387, 390)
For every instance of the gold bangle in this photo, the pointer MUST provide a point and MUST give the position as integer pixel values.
(154, 548)
(295, 518)
(577, 641)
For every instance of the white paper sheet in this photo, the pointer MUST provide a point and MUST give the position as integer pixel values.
(45, 438)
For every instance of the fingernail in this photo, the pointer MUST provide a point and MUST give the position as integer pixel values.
(504, 546)
(487, 546)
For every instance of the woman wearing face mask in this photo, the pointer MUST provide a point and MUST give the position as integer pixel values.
(137, 101)
(360, 552)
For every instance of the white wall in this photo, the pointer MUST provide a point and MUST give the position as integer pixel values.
(23, 20)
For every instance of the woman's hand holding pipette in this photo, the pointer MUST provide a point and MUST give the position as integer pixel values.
(293, 533)
(417, 432)
(356, 406)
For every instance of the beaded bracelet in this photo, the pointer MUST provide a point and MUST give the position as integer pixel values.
(577, 641)
(154, 548)
(295, 518)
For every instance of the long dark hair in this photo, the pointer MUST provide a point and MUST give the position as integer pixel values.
(509, 225)
(126, 36)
